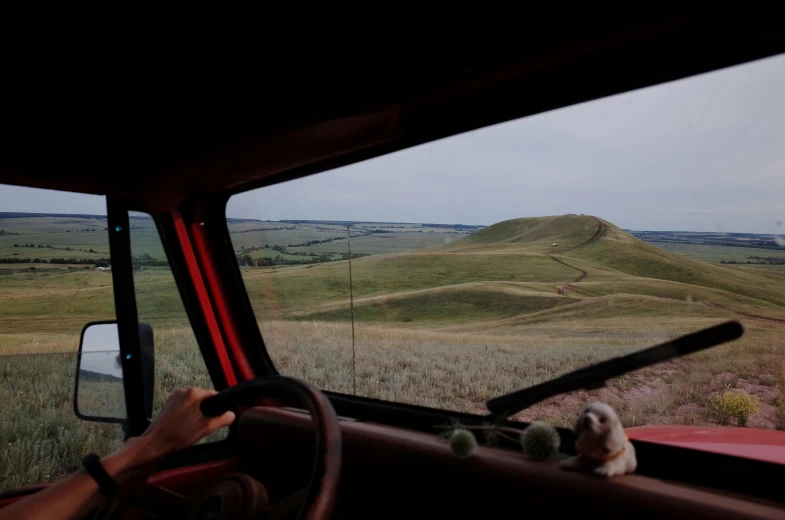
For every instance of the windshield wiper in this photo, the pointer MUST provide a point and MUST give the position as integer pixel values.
(594, 376)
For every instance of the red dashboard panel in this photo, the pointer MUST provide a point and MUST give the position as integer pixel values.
(396, 473)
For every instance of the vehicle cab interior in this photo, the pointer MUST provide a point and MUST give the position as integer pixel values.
(365, 255)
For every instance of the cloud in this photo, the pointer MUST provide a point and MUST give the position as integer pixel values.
(703, 153)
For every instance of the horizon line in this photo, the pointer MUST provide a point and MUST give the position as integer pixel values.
(7, 215)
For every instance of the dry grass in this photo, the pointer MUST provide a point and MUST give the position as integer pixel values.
(448, 369)
(441, 369)
(40, 436)
(42, 343)
(779, 402)
(460, 370)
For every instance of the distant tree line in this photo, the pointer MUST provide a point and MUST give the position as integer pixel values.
(3, 232)
(284, 251)
(453, 226)
(137, 261)
(103, 261)
(756, 244)
(714, 239)
(100, 262)
(47, 246)
(247, 260)
(148, 261)
(265, 229)
(759, 260)
(18, 214)
(310, 258)
(316, 242)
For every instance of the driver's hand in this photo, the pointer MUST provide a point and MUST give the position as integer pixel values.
(180, 423)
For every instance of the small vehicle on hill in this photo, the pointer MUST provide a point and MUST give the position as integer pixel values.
(347, 347)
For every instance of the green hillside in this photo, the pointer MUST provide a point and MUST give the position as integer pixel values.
(564, 259)
(506, 271)
(293, 289)
(613, 251)
(459, 303)
(536, 234)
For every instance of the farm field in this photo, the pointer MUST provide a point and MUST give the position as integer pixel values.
(717, 254)
(444, 317)
(305, 237)
(63, 237)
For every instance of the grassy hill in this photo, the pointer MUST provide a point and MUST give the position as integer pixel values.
(535, 235)
(290, 290)
(603, 257)
(457, 303)
(503, 272)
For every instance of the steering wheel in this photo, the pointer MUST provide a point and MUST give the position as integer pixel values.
(320, 494)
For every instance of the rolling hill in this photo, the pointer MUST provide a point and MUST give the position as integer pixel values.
(513, 269)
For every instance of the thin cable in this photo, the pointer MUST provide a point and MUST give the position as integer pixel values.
(351, 304)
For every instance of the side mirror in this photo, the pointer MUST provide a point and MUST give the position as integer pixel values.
(99, 394)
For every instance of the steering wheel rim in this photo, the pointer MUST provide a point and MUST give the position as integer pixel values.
(325, 475)
(323, 483)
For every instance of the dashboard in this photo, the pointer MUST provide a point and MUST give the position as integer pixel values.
(391, 472)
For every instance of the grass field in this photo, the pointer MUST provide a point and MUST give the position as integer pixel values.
(55, 237)
(42, 315)
(443, 319)
(393, 239)
(387, 243)
(42, 439)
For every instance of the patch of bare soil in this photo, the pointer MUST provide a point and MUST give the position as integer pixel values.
(766, 418)
(655, 396)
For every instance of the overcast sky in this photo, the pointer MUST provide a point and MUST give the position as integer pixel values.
(706, 153)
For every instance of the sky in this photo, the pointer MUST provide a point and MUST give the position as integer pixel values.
(100, 348)
(705, 153)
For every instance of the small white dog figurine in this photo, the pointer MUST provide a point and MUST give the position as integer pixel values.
(601, 444)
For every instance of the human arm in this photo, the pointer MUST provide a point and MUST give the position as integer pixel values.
(179, 424)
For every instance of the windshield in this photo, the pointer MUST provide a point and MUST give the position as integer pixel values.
(457, 271)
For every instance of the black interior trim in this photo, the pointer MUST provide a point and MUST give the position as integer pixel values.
(441, 86)
(127, 317)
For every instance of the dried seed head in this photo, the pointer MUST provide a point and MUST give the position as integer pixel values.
(540, 441)
(462, 443)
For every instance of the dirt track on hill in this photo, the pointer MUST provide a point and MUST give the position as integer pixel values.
(560, 288)
(754, 316)
(601, 227)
